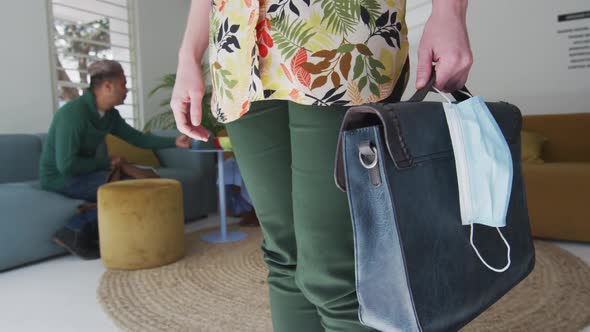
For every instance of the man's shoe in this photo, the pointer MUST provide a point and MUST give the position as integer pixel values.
(77, 243)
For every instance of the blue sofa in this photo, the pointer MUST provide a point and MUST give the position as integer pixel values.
(29, 216)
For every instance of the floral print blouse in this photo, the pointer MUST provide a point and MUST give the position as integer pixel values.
(312, 52)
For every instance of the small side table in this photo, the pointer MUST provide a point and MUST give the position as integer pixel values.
(222, 235)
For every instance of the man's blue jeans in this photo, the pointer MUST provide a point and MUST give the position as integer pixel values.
(84, 187)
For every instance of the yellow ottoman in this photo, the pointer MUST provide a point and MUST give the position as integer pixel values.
(141, 223)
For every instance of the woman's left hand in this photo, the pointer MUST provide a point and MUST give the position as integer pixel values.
(446, 43)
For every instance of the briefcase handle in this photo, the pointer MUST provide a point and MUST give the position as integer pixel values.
(459, 95)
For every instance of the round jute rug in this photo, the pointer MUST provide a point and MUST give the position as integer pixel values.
(221, 287)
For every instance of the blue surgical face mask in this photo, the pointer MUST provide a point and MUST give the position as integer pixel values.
(484, 166)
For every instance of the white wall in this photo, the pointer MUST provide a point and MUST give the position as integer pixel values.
(518, 55)
(25, 88)
(161, 26)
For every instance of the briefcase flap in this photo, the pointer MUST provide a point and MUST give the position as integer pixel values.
(413, 130)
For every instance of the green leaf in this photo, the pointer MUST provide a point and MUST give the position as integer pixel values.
(358, 67)
(362, 83)
(225, 80)
(306, 39)
(297, 30)
(156, 88)
(215, 26)
(374, 89)
(215, 78)
(376, 75)
(290, 36)
(374, 9)
(345, 48)
(375, 63)
(163, 120)
(381, 79)
(232, 83)
(340, 16)
(166, 82)
(165, 102)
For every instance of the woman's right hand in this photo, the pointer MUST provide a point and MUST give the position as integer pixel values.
(187, 98)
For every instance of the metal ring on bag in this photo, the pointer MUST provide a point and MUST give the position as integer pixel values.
(372, 163)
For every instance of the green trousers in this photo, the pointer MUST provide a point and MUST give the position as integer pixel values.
(285, 152)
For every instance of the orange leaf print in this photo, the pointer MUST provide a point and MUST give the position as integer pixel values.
(319, 81)
(364, 50)
(323, 64)
(335, 79)
(327, 54)
(354, 94)
(244, 108)
(287, 73)
(248, 3)
(298, 59)
(294, 94)
(345, 64)
(303, 77)
(311, 68)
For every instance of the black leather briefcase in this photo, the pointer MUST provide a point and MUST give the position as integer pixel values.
(415, 268)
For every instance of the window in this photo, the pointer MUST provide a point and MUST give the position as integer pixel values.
(84, 31)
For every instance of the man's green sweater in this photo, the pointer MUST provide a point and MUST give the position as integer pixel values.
(75, 133)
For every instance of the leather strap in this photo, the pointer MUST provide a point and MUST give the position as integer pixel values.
(382, 114)
(371, 115)
(421, 94)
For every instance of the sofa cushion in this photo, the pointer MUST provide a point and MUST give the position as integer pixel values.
(568, 134)
(133, 154)
(532, 146)
(29, 218)
(184, 158)
(19, 157)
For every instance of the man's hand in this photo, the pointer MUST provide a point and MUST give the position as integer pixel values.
(445, 42)
(117, 161)
(183, 141)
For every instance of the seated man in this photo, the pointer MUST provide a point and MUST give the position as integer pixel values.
(69, 164)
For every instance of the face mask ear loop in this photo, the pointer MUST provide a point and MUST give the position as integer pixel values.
(483, 261)
(442, 94)
(466, 93)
